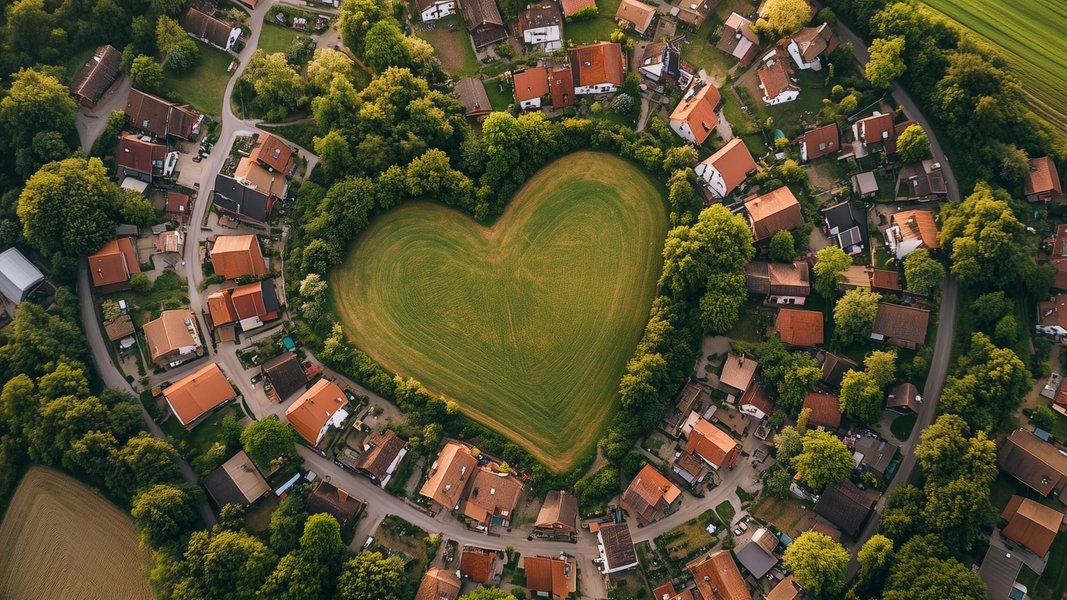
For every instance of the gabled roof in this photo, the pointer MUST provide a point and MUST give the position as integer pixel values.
(864, 183)
(334, 501)
(825, 410)
(119, 328)
(637, 13)
(787, 589)
(905, 395)
(820, 141)
(438, 584)
(1043, 177)
(115, 263)
(712, 444)
(551, 575)
(690, 467)
(923, 180)
(813, 41)
(273, 153)
(531, 84)
(237, 481)
(717, 576)
(774, 78)
(255, 176)
(757, 556)
(234, 256)
(198, 393)
(241, 200)
(828, 530)
(258, 299)
(571, 7)
(901, 322)
(1059, 257)
(697, 109)
(472, 97)
(738, 371)
(885, 280)
(561, 87)
(733, 161)
(476, 564)
(449, 475)
(875, 128)
(664, 592)
(285, 374)
(757, 397)
(799, 327)
(379, 451)
(776, 279)
(772, 212)
(834, 368)
(917, 225)
(481, 12)
(877, 453)
(17, 275)
(206, 27)
(738, 39)
(172, 331)
(314, 408)
(618, 546)
(595, 64)
(846, 506)
(1031, 524)
(559, 508)
(98, 73)
(1033, 461)
(158, 117)
(140, 156)
(540, 15)
(177, 203)
(650, 494)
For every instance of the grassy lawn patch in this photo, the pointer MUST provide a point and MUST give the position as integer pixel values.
(500, 93)
(597, 29)
(794, 117)
(301, 134)
(691, 536)
(204, 85)
(397, 537)
(168, 291)
(755, 318)
(902, 426)
(452, 45)
(725, 510)
(275, 38)
(788, 515)
(1053, 582)
(257, 518)
(479, 313)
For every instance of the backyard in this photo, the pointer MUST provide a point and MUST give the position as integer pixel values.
(204, 85)
(275, 38)
(452, 45)
(691, 537)
(788, 515)
(596, 29)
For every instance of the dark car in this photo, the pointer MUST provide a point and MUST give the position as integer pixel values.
(255, 379)
(351, 396)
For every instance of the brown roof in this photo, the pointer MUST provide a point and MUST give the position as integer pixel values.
(618, 545)
(917, 225)
(637, 13)
(834, 368)
(1033, 461)
(897, 322)
(598, 64)
(98, 73)
(1031, 524)
(221, 308)
(235, 256)
(712, 444)
(196, 394)
(1059, 257)
(177, 203)
(472, 97)
(170, 333)
(271, 152)
(379, 451)
(571, 7)
(140, 156)
(115, 263)
(691, 465)
(553, 575)
(787, 589)
(314, 408)
(1049, 312)
(742, 47)
(664, 592)
(449, 475)
(253, 175)
(756, 396)
(773, 212)
(1043, 177)
(738, 371)
(846, 506)
(776, 279)
(531, 84)
(492, 495)
(206, 27)
(158, 117)
(332, 500)
(650, 494)
(484, 22)
(717, 576)
(285, 374)
(538, 16)
(813, 41)
(476, 564)
(438, 584)
(119, 328)
(799, 327)
(875, 129)
(697, 109)
(885, 280)
(905, 395)
(825, 410)
(828, 530)
(821, 141)
(733, 161)
(559, 511)
(561, 87)
(774, 77)
(237, 481)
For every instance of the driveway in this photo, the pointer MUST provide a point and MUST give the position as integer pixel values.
(91, 123)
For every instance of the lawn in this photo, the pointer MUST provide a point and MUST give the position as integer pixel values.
(527, 324)
(61, 539)
(1053, 582)
(701, 52)
(597, 29)
(902, 426)
(691, 536)
(168, 291)
(500, 93)
(204, 85)
(788, 515)
(1026, 32)
(452, 45)
(275, 38)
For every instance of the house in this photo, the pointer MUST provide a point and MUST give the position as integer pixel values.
(616, 547)
(909, 230)
(477, 564)
(811, 45)
(382, 453)
(738, 39)
(904, 398)
(96, 76)
(664, 592)
(234, 256)
(170, 242)
(111, 267)
(485, 495)
(597, 68)
(846, 224)
(787, 589)
(551, 577)
(882, 281)
(690, 468)
(696, 115)
(693, 13)
(757, 556)
(1031, 524)
(1050, 321)
(558, 514)
(251, 174)
(285, 375)
(317, 410)
(1040, 465)
(799, 328)
(818, 142)
(173, 337)
(542, 26)
(571, 7)
(828, 530)
(431, 10)
(772, 212)
(1058, 253)
(779, 283)
(1043, 183)
(449, 476)
(825, 410)
(690, 401)
(712, 445)
(531, 86)
(177, 205)
(492, 497)
(775, 81)
(903, 326)
(638, 14)
(237, 481)
(271, 153)
(210, 30)
(924, 181)
(159, 118)
(650, 496)
(891, 141)
(717, 576)
(472, 97)
(334, 501)
(737, 374)
(730, 419)
(999, 571)
(864, 185)
(242, 202)
(561, 87)
(250, 305)
(119, 329)
(834, 368)
(727, 168)
(875, 129)
(199, 393)
(845, 506)
(874, 454)
(438, 584)
(662, 62)
(143, 160)
(756, 402)
(484, 23)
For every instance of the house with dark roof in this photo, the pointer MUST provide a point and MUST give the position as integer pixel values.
(662, 62)
(903, 326)
(558, 514)
(651, 496)
(777, 210)
(904, 398)
(382, 453)
(616, 547)
(1040, 465)
(484, 23)
(96, 76)
(738, 39)
(712, 445)
(690, 468)
(693, 13)
(846, 224)
(1031, 524)
(243, 203)
(727, 168)
(541, 26)
(160, 118)
(286, 375)
(875, 454)
(775, 79)
(636, 14)
(237, 481)
(845, 506)
(834, 368)
(799, 328)
(553, 577)
(334, 501)
(1043, 184)
(923, 181)
(472, 97)
(999, 571)
(477, 564)
(693, 399)
(1058, 258)
(780, 283)
(597, 68)
(696, 115)
(818, 142)
(111, 267)
(825, 410)
(717, 576)
(757, 556)
(810, 46)
(211, 30)
(439, 584)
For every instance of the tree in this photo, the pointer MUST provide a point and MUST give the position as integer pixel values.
(922, 274)
(875, 558)
(785, 17)
(788, 443)
(978, 99)
(886, 63)
(356, 19)
(276, 87)
(818, 563)
(371, 576)
(989, 309)
(267, 439)
(922, 571)
(488, 593)
(30, 33)
(135, 209)
(148, 460)
(310, 571)
(989, 387)
(913, 145)
(146, 74)
(721, 305)
(854, 315)
(177, 50)
(384, 46)
(325, 66)
(831, 263)
(223, 564)
(798, 381)
(881, 366)
(861, 397)
(1043, 418)
(1014, 164)
(824, 460)
(986, 243)
(776, 483)
(36, 103)
(67, 207)
(782, 247)
(164, 514)
(719, 242)
(287, 523)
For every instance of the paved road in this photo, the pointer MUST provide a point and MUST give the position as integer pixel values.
(91, 123)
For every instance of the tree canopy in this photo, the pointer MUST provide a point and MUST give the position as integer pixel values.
(818, 563)
(886, 63)
(861, 397)
(985, 241)
(912, 144)
(854, 315)
(785, 17)
(371, 576)
(922, 274)
(267, 439)
(831, 263)
(823, 461)
(37, 107)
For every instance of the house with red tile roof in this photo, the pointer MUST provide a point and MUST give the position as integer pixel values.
(650, 496)
(477, 564)
(717, 576)
(909, 230)
(144, 160)
(196, 395)
(561, 87)
(777, 210)
(273, 154)
(1043, 184)
(160, 118)
(695, 117)
(177, 205)
(317, 410)
(638, 14)
(234, 256)
(211, 30)
(811, 45)
(553, 577)
(875, 129)
(111, 267)
(597, 68)
(250, 305)
(799, 328)
(531, 86)
(727, 168)
(713, 445)
(825, 410)
(571, 7)
(756, 402)
(818, 142)
(1031, 524)
(775, 79)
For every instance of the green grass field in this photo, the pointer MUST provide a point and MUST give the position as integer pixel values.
(204, 85)
(528, 324)
(1028, 32)
(274, 38)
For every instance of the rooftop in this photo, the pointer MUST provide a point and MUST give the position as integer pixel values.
(800, 328)
(198, 393)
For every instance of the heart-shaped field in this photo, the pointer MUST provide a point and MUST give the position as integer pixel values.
(527, 324)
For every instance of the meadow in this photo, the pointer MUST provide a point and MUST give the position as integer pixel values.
(61, 539)
(527, 324)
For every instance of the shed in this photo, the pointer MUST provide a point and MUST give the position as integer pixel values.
(18, 276)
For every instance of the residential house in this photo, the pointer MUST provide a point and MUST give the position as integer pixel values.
(775, 211)
(241, 202)
(810, 46)
(484, 23)
(999, 571)
(696, 115)
(712, 445)
(382, 453)
(477, 564)
(818, 142)
(210, 30)
(170, 242)
(597, 68)
(252, 174)
(96, 76)
(828, 530)
(177, 206)
(717, 576)
(846, 224)
(903, 326)
(449, 476)
(924, 181)
(334, 501)
(121, 330)
(1043, 184)
(1050, 320)
(665, 592)
(431, 10)
(143, 160)
(825, 410)
(638, 14)
(558, 514)
(780, 283)
(160, 118)
(173, 337)
(757, 556)
(873, 454)
(492, 498)
(775, 80)
(551, 577)
(1031, 524)
(561, 87)
(787, 589)
(799, 328)
(730, 419)
(438, 584)
(616, 547)
(690, 468)
(727, 168)
(737, 374)
(691, 401)
(472, 97)
(904, 398)
(875, 129)
(755, 402)
(285, 374)
(1040, 465)
(250, 305)
(882, 281)
(1058, 253)
(738, 39)
(650, 496)
(693, 13)
(111, 267)
(864, 185)
(834, 368)
(234, 256)
(317, 410)
(531, 87)
(571, 7)
(198, 394)
(542, 26)
(237, 481)
(273, 154)
(909, 230)
(662, 62)
(845, 506)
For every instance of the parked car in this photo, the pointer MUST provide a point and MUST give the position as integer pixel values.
(740, 528)
(350, 395)
(255, 378)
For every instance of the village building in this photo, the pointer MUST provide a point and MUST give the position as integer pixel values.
(160, 118)
(438, 584)
(924, 181)
(787, 589)
(96, 76)
(693, 13)
(777, 210)
(662, 62)
(818, 142)
(636, 14)
(690, 468)
(737, 374)
(775, 80)
(170, 242)
(651, 496)
(756, 402)
(695, 116)
(381, 456)
(712, 445)
(717, 576)
(449, 476)
(252, 174)
(1043, 184)
(177, 206)
(788, 283)
(1000, 571)
(845, 506)
(317, 410)
(810, 46)
(273, 154)
(551, 577)
(882, 281)
(431, 10)
(828, 530)
(473, 97)
(903, 326)
(334, 501)
(477, 564)
(757, 556)
(834, 368)
(1052, 317)
(597, 68)
(121, 330)
(904, 398)
(875, 129)
(531, 87)
(864, 185)
(1058, 258)
(143, 160)
(285, 374)
(909, 230)
(873, 454)
(250, 306)
(234, 256)
(173, 338)
(198, 394)
(1031, 524)
(237, 481)
(1038, 464)
(738, 39)
(825, 410)
(558, 514)
(616, 547)
(542, 26)
(571, 7)
(484, 23)
(111, 267)
(242, 202)
(799, 328)
(561, 87)
(691, 401)
(211, 30)
(482, 494)
(727, 168)
(846, 224)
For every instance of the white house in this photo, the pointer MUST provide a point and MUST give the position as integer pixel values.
(774, 80)
(696, 115)
(431, 10)
(18, 276)
(723, 171)
(809, 45)
(542, 26)
(1051, 320)
(597, 68)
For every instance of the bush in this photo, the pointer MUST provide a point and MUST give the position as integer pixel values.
(140, 283)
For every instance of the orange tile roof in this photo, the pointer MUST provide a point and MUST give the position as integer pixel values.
(221, 309)
(1043, 177)
(825, 410)
(438, 584)
(650, 494)
(531, 84)
(734, 162)
(664, 592)
(717, 576)
(917, 225)
(821, 141)
(552, 575)
(197, 393)
(712, 444)
(235, 256)
(698, 111)
(451, 472)
(598, 64)
(876, 128)
(312, 410)
(637, 13)
(562, 87)
(114, 263)
(1031, 524)
(170, 333)
(799, 327)
(571, 7)
(273, 153)
(738, 371)
(787, 589)
(476, 564)
(774, 211)
(774, 77)
(253, 175)
(492, 495)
